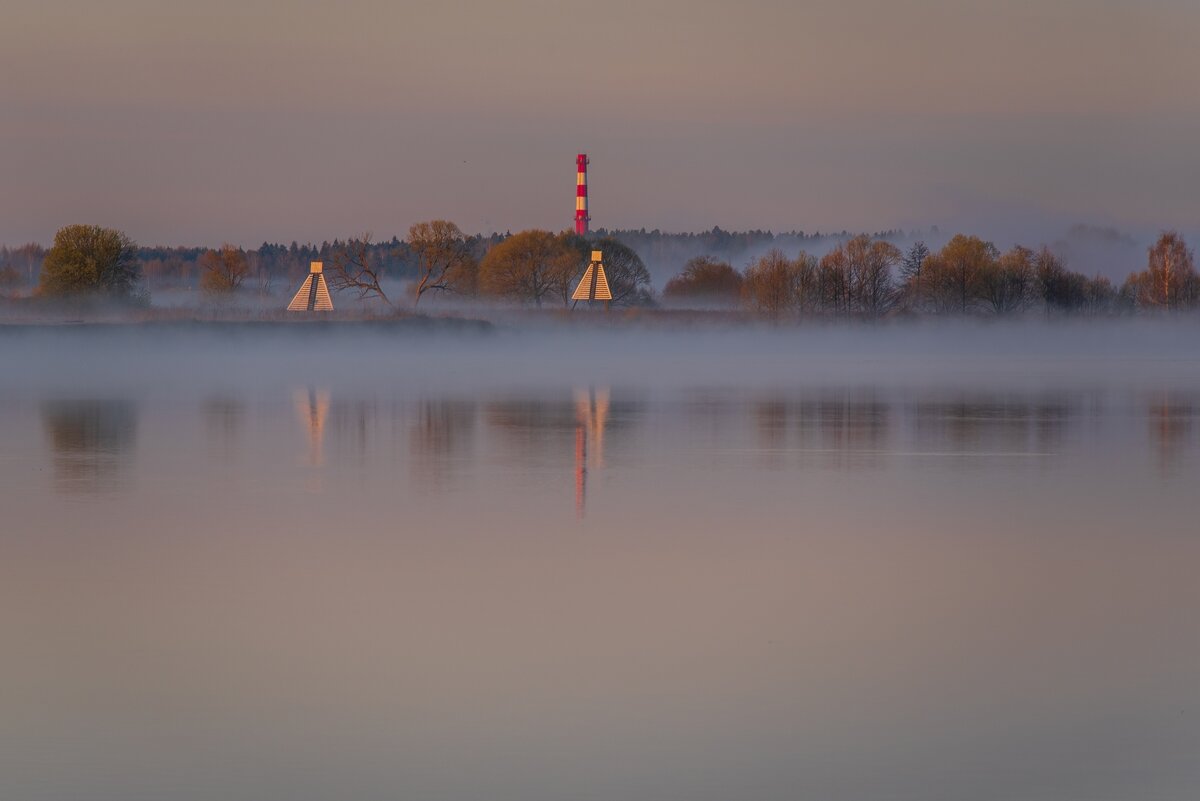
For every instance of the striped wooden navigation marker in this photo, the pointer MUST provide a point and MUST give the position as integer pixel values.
(594, 284)
(314, 292)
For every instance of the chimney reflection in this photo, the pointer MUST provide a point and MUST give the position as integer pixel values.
(91, 441)
(591, 416)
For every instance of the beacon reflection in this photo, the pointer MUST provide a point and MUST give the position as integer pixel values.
(312, 410)
(591, 417)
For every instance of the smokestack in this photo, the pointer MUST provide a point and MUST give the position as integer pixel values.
(581, 209)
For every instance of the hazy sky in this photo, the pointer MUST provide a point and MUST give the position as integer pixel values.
(252, 120)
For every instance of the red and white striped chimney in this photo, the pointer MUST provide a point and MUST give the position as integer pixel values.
(581, 209)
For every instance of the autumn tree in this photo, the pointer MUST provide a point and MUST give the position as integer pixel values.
(224, 270)
(354, 266)
(707, 280)
(1006, 285)
(953, 274)
(770, 286)
(834, 281)
(90, 260)
(856, 276)
(872, 286)
(529, 267)
(1170, 280)
(445, 258)
(806, 277)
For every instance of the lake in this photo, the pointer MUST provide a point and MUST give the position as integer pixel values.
(315, 562)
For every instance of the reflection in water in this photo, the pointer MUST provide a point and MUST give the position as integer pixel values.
(542, 431)
(440, 432)
(1018, 424)
(848, 428)
(1172, 417)
(224, 419)
(350, 425)
(312, 407)
(591, 415)
(91, 441)
(792, 599)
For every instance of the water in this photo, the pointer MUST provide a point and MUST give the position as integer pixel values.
(922, 563)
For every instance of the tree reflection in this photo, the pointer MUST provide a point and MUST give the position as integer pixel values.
(987, 423)
(91, 441)
(843, 428)
(439, 433)
(1172, 418)
(224, 418)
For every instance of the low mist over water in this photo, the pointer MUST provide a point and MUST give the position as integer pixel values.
(928, 561)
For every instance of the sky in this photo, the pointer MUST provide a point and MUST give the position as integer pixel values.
(246, 121)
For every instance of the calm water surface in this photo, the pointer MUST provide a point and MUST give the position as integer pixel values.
(914, 564)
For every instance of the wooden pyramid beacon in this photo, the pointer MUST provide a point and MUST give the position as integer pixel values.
(314, 292)
(594, 284)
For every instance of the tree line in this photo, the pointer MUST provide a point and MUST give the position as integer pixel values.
(869, 277)
(865, 276)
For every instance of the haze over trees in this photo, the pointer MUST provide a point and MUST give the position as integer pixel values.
(90, 260)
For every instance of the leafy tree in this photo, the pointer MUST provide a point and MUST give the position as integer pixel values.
(529, 266)
(628, 279)
(90, 260)
(224, 270)
(705, 279)
(445, 258)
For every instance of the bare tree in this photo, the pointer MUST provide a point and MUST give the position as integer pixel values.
(352, 268)
(872, 288)
(445, 261)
